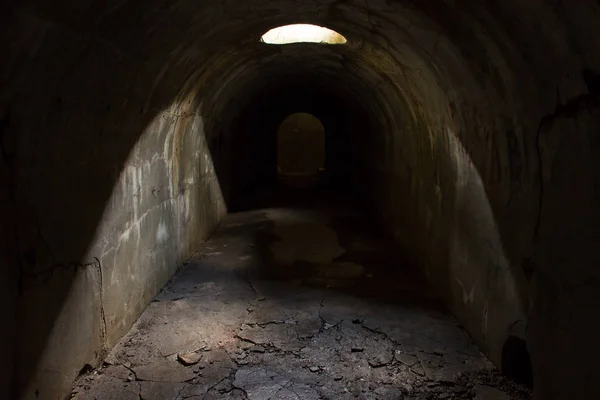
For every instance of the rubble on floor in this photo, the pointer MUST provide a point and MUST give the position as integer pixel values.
(244, 321)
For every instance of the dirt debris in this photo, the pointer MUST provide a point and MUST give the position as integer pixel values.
(234, 324)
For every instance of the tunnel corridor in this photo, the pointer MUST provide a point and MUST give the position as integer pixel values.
(139, 138)
(300, 297)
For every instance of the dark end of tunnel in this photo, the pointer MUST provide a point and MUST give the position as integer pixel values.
(267, 187)
(516, 361)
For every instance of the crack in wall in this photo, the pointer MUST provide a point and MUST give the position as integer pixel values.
(103, 332)
(569, 110)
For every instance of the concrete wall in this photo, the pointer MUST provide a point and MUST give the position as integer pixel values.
(109, 187)
(166, 200)
(486, 176)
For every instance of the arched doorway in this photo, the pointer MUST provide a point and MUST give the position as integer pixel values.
(300, 149)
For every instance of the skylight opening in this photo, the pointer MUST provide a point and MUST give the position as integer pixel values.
(302, 33)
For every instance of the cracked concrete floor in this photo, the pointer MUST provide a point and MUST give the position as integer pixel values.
(296, 303)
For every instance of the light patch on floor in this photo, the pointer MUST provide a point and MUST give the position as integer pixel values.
(225, 329)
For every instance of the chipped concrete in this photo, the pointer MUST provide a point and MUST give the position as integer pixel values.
(483, 392)
(260, 335)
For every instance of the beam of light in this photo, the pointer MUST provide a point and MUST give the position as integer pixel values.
(305, 33)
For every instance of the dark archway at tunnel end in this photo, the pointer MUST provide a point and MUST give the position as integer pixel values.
(254, 152)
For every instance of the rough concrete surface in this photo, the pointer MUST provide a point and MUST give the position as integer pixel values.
(274, 307)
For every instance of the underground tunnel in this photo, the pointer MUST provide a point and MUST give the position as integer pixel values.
(446, 247)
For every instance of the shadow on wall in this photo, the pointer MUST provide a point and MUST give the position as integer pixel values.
(480, 206)
(476, 240)
(102, 209)
(560, 271)
(426, 185)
